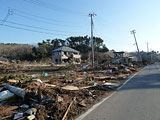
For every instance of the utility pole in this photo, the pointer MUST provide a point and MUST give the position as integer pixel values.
(147, 48)
(10, 12)
(148, 56)
(133, 32)
(92, 15)
(151, 55)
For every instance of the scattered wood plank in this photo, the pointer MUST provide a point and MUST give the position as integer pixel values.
(49, 85)
(102, 77)
(64, 117)
(68, 87)
(9, 109)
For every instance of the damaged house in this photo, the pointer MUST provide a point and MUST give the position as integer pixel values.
(122, 57)
(66, 55)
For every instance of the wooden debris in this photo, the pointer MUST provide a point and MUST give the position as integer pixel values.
(64, 117)
(123, 76)
(80, 77)
(11, 108)
(59, 99)
(49, 85)
(13, 81)
(83, 103)
(70, 88)
(101, 77)
(85, 87)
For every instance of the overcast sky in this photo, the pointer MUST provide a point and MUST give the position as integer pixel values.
(31, 21)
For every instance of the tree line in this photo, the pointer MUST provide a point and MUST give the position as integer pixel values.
(15, 51)
(80, 43)
(44, 48)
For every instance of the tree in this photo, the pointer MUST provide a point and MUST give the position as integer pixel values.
(80, 43)
(57, 43)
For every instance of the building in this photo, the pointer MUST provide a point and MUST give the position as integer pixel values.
(121, 57)
(66, 55)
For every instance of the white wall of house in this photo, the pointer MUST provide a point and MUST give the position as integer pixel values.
(77, 56)
(64, 55)
(60, 57)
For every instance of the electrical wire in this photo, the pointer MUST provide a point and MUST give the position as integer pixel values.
(15, 10)
(32, 30)
(36, 27)
(53, 7)
(26, 17)
(102, 22)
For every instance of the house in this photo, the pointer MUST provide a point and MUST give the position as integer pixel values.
(65, 55)
(121, 57)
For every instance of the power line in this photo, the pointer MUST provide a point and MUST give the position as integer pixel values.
(115, 42)
(53, 7)
(35, 27)
(26, 17)
(32, 30)
(39, 16)
(102, 21)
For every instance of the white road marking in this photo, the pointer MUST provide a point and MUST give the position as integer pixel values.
(99, 103)
(94, 107)
(127, 81)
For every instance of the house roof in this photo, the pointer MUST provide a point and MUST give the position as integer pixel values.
(119, 52)
(66, 49)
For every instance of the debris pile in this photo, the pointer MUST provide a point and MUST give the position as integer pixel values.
(59, 95)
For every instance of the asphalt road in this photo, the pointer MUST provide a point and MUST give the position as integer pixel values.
(139, 99)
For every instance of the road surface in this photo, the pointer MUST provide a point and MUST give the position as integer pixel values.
(139, 99)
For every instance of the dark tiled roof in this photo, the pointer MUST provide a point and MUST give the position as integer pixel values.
(66, 49)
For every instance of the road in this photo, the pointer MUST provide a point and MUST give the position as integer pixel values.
(139, 99)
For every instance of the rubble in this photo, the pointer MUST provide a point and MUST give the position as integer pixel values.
(17, 116)
(31, 111)
(4, 95)
(16, 91)
(59, 99)
(11, 108)
(24, 106)
(70, 88)
(52, 96)
(64, 117)
(83, 103)
(31, 117)
(13, 81)
(49, 85)
(111, 85)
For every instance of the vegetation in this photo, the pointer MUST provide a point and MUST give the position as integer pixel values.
(16, 51)
(19, 76)
(80, 43)
(44, 49)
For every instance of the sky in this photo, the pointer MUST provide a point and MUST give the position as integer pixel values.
(31, 21)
